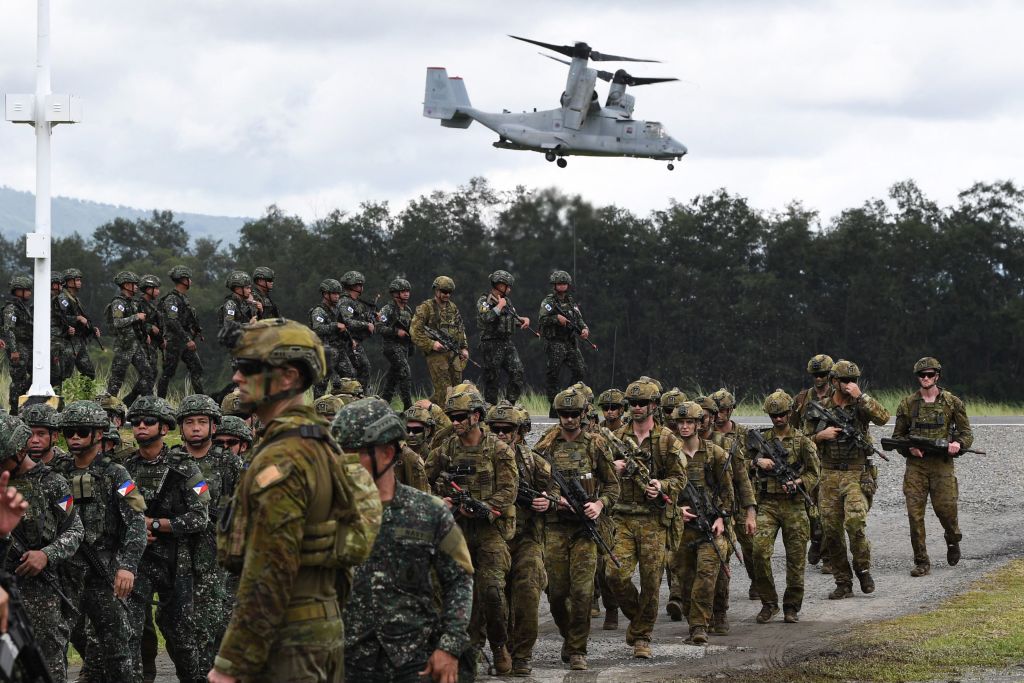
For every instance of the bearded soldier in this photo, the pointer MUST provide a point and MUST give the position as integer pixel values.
(440, 314)
(498, 321)
(358, 317)
(181, 331)
(819, 368)
(131, 337)
(560, 322)
(16, 334)
(394, 325)
(263, 285)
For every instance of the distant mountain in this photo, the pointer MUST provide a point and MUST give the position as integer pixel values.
(17, 217)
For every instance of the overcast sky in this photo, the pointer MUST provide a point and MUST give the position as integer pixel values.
(226, 106)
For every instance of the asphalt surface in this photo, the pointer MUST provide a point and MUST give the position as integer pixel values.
(990, 517)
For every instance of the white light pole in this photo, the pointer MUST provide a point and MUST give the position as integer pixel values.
(43, 110)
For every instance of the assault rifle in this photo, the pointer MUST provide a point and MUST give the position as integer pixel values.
(781, 470)
(570, 322)
(462, 499)
(447, 341)
(86, 330)
(511, 310)
(19, 643)
(94, 561)
(636, 468)
(929, 446)
(706, 513)
(576, 497)
(47, 576)
(526, 494)
(848, 430)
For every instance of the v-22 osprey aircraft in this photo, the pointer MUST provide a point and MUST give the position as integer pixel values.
(580, 126)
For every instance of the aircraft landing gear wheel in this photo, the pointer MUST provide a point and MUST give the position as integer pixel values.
(562, 163)
(671, 167)
(550, 156)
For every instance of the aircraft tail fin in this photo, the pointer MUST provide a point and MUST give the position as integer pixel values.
(444, 97)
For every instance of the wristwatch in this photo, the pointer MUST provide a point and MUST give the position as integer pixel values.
(155, 525)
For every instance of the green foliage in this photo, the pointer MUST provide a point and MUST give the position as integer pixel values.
(79, 388)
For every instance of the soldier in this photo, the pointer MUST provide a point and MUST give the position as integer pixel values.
(182, 331)
(302, 511)
(497, 319)
(75, 326)
(131, 338)
(349, 389)
(111, 510)
(327, 406)
(16, 336)
(395, 628)
(263, 285)
(699, 560)
(526, 578)
(483, 467)
(149, 303)
(118, 416)
(419, 427)
(642, 519)
(41, 418)
(667, 405)
(334, 335)
(779, 507)
(234, 436)
(199, 418)
(570, 556)
(733, 441)
(358, 317)
(934, 413)
(441, 315)
(847, 478)
(818, 367)
(36, 551)
(612, 403)
(239, 306)
(177, 511)
(560, 321)
(57, 330)
(394, 324)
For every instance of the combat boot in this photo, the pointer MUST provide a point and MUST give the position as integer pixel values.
(595, 607)
(521, 667)
(789, 615)
(921, 570)
(675, 610)
(565, 652)
(578, 663)
(642, 648)
(766, 614)
(843, 590)
(826, 568)
(611, 619)
(698, 636)
(814, 552)
(752, 593)
(952, 554)
(867, 584)
(502, 661)
(719, 624)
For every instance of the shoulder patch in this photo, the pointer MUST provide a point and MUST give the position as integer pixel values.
(14, 318)
(65, 503)
(350, 309)
(64, 303)
(319, 318)
(174, 308)
(120, 306)
(200, 488)
(268, 476)
(383, 317)
(125, 488)
(548, 307)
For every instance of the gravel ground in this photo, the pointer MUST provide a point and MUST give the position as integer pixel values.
(990, 518)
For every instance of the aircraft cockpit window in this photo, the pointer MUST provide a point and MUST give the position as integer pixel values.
(654, 130)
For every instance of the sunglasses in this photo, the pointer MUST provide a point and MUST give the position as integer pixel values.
(80, 432)
(778, 416)
(819, 375)
(458, 417)
(928, 373)
(228, 443)
(148, 421)
(846, 380)
(573, 414)
(446, 291)
(415, 430)
(638, 402)
(247, 366)
(611, 406)
(503, 429)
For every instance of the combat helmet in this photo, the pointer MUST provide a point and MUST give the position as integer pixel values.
(349, 387)
(399, 284)
(179, 273)
(40, 415)
(231, 405)
(262, 273)
(125, 277)
(14, 436)
(845, 368)
(238, 278)
(444, 283)
(419, 414)
(927, 363)
(525, 421)
(70, 274)
(328, 405)
(777, 402)
(688, 410)
(570, 399)
(367, 422)
(277, 343)
(232, 425)
(819, 363)
(20, 282)
(352, 278)
(611, 397)
(152, 406)
(502, 277)
(112, 404)
(83, 414)
(672, 398)
(56, 276)
(724, 399)
(198, 404)
(465, 400)
(503, 412)
(643, 389)
(707, 403)
(560, 277)
(330, 286)
(149, 281)
(112, 435)
(587, 391)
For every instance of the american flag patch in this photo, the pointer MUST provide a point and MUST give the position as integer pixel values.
(65, 503)
(201, 488)
(126, 488)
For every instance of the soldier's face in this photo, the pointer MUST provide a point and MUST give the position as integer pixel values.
(561, 288)
(686, 427)
(570, 420)
(131, 288)
(640, 408)
(927, 378)
(611, 412)
(23, 294)
(230, 443)
(40, 441)
(442, 296)
(54, 288)
(333, 297)
(145, 428)
(780, 420)
(197, 428)
(723, 416)
(265, 284)
(403, 296)
(820, 380)
(152, 292)
(709, 419)
(505, 431)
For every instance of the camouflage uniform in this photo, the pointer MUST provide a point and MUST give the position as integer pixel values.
(445, 370)
(396, 350)
(74, 348)
(734, 443)
(393, 623)
(16, 332)
(570, 558)
(235, 311)
(642, 528)
(357, 317)
(269, 308)
(560, 342)
(129, 347)
(153, 349)
(181, 327)
(173, 488)
(841, 497)
(497, 351)
(323, 319)
(778, 510)
(410, 470)
(932, 475)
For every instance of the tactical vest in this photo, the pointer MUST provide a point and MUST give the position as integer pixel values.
(931, 420)
(395, 318)
(94, 490)
(356, 311)
(451, 325)
(768, 484)
(632, 498)
(162, 484)
(502, 327)
(552, 331)
(572, 459)
(844, 454)
(127, 310)
(40, 524)
(214, 468)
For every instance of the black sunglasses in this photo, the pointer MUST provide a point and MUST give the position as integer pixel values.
(846, 380)
(458, 417)
(503, 429)
(611, 406)
(228, 443)
(446, 291)
(819, 375)
(778, 416)
(247, 366)
(570, 413)
(149, 421)
(415, 430)
(927, 373)
(80, 432)
(638, 402)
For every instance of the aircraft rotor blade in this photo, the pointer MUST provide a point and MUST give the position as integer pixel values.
(648, 81)
(562, 61)
(601, 57)
(560, 49)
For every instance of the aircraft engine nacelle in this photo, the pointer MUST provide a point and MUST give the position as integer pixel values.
(578, 100)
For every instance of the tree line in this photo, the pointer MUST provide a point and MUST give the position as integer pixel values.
(709, 293)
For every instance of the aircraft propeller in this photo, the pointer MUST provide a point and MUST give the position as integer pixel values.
(582, 51)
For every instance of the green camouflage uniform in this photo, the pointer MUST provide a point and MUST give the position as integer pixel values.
(393, 623)
(445, 368)
(297, 493)
(841, 497)
(410, 470)
(234, 311)
(396, 350)
(560, 342)
(181, 327)
(151, 307)
(570, 558)
(173, 488)
(699, 565)
(111, 509)
(129, 346)
(357, 317)
(16, 332)
(57, 332)
(778, 510)
(796, 419)
(324, 321)
(492, 478)
(74, 348)
(932, 475)
(497, 352)
(51, 525)
(642, 528)
(734, 443)
(270, 309)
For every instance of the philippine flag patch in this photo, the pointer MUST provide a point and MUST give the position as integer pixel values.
(126, 488)
(200, 488)
(65, 503)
